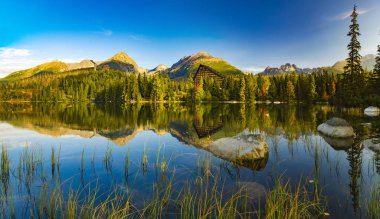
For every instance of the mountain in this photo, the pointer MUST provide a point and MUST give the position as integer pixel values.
(121, 62)
(159, 68)
(82, 64)
(285, 69)
(189, 65)
(46, 68)
(368, 62)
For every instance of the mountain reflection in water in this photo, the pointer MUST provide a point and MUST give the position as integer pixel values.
(262, 138)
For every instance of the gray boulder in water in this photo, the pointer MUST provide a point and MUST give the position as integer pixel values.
(247, 149)
(372, 111)
(336, 128)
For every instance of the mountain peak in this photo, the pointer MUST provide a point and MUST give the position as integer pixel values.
(189, 64)
(286, 68)
(202, 54)
(289, 67)
(122, 57)
(160, 67)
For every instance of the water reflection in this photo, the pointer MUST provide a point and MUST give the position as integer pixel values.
(263, 138)
(197, 125)
(338, 143)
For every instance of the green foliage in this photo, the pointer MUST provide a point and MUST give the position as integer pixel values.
(290, 94)
(199, 92)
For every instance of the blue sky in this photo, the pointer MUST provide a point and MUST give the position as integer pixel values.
(250, 34)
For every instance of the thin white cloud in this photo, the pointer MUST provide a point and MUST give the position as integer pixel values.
(13, 52)
(107, 32)
(104, 32)
(10, 65)
(254, 69)
(347, 14)
(138, 38)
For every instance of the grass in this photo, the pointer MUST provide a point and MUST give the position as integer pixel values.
(201, 196)
(108, 159)
(285, 202)
(372, 202)
(5, 166)
(53, 161)
(144, 160)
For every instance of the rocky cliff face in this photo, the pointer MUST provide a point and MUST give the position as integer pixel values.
(287, 68)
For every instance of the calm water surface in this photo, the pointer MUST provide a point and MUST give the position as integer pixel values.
(181, 135)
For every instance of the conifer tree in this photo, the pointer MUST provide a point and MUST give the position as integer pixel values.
(376, 73)
(353, 81)
(155, 94)
(311, 93)
(290, 92)
(242, 89)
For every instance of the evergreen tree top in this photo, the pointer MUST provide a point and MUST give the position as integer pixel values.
(353, 65)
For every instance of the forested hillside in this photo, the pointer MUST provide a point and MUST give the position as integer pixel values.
(113, 86)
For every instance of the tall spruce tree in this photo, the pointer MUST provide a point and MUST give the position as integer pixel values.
(353, 81)
(376, 73)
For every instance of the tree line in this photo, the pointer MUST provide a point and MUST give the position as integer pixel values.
(112, 86)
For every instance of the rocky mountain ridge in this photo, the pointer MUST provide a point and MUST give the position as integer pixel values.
(368, 62)
(178, 71)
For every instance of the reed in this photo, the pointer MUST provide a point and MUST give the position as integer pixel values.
(285, 202)
(5, 171)
(82, 168)
(202, 196)
(144, 160)
(82, 161)
(53, 161)
(372, 202)
(108, 159)
(126, 165)
(59, 156)
(5, 163)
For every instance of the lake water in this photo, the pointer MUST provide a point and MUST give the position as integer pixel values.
(93, 142)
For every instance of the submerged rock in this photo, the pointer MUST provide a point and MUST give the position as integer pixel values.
(372, 111)
(373, 144)
(253, 192)
(247, 149)
(338, 143)
(336, 128)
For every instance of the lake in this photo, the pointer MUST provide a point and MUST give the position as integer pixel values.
(136, 148)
